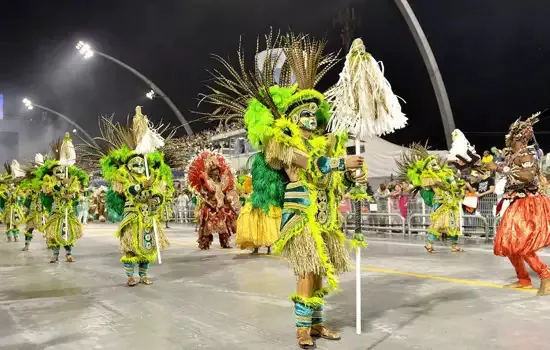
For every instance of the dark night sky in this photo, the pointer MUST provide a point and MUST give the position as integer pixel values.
(494, 55)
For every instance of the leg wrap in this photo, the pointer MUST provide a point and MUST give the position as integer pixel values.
(129, 268)
(431, 238)
(28, 235)
(317, 316)
(68, 250)
(55, 251)
(143, 267)
(303, 315)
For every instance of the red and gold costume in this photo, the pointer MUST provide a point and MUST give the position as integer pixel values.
(209, 176)
(525, 225)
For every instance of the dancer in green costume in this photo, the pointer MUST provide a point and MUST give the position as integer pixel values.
(440, 187)
(62, 182)
(301, 169)
(14, 199)
(34, 202)
(142, 179)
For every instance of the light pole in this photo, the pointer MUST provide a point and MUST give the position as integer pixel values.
(433, 70)
(31, 105)
(87, 52)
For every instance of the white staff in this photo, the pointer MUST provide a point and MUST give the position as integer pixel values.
(16, 172)
(148, 141)
(364, 105)
(67, 158)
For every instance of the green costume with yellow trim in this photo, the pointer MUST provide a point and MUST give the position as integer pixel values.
(13, 213)
(299, 177)
(37, 212)
(61, 184)
(440, 188)
(143, 182)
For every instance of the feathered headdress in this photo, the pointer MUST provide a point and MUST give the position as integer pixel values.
(202, 164)
(521, 130)
(271, 84)
(412, 163)
(118, 143)
(363, 102)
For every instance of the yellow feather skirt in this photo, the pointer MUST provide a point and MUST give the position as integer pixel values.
(257, 229)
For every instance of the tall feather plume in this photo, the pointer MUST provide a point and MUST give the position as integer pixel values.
(306, 59)
(114, 136)
(415, 153)
(231, 90)
(55, 148)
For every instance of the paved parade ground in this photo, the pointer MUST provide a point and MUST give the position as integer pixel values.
(228, 299)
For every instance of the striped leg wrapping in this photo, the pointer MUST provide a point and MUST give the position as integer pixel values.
(143, 267)
(303, 315)
(129, 268)
(317, 316)
(55, 251)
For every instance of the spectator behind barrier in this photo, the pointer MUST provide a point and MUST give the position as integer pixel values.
(487, 157)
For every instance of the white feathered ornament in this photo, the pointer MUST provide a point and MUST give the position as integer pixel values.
(462, 150)
(16, 170)
(147, 139)
(39, 159)
(67, 153)
(363, 103)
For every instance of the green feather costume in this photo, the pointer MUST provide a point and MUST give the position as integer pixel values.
(300, 172)
(143, 197)
(60, 187)
(440, 188)
(14, 198)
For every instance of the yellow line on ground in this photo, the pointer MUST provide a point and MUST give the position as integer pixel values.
(388, 271)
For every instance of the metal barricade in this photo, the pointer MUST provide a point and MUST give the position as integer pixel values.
(368, 223)
(411, 227)
(387, 215)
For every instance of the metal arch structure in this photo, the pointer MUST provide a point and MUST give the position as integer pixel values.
(69, 120)
(154, 87)
(433, 69)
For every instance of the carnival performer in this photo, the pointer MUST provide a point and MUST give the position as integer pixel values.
(36, 203)
(137, 173)
(525, 225)
(440, 188)
(301, 174)
(249, 234)
(209, 176)
(83, 207)
(167, 211)
(15, 197)
(63, 182)
(3, 194)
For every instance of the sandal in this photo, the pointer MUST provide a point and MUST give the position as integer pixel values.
(430, 249)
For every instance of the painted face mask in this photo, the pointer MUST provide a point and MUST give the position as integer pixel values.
(136, 165)
(305, 116)
(59, 172)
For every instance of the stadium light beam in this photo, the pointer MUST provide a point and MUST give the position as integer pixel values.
(87, 52)
(28, 103)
